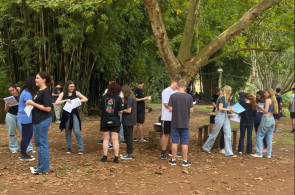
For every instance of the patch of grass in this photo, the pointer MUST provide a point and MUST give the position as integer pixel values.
(204, 108)
(87, 171)
(64, 170)
(287, 139)
(45, 180)
(155, 105)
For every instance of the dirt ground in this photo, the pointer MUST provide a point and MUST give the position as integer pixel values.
(146, 173)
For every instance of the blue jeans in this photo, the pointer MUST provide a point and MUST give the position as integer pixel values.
(121, 133)
(257, 121)
(41, 141)
(221, 121)
(12, 123)
(77, 132)
(243, 128)
(265, 129)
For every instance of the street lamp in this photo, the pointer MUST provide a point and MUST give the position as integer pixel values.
(220, 77)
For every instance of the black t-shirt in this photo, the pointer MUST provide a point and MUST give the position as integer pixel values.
(242, 96)
(214, 99)
(279, 100)
(13, 109)
(43, 97)
(140, 104)
(56, 90)
(110, 106)
(248, 115)
(130, 119)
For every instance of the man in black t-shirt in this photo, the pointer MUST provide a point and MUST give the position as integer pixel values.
(214, 100)
(140, 99)
(280, 103)
(57, 108)
(242, 94)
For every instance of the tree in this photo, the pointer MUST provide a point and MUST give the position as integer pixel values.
(184, 65)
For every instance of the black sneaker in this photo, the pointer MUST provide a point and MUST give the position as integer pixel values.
(104, 159)
(99, 142)
(116, 160)
(26, 157)
(172, 162)
(163, 155)
(186, 164)
(127, 157)
(69, 151)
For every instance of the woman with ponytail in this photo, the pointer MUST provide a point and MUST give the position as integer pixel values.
(246, 124)
(267, 124)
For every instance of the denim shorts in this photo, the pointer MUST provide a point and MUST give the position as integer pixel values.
(180, 133)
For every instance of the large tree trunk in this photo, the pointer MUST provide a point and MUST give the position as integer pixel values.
(185, 66)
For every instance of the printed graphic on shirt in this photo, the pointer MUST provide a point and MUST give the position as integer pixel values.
(110, 105)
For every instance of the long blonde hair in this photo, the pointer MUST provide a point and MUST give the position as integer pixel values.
(226, 92)
(273, 99)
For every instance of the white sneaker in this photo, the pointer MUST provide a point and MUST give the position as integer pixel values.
(14, 152)
(80, 153)
(222, 151)
(57, 122)
(256, 156)
(142, 140)
(240, 153)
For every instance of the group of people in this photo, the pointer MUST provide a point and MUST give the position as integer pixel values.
(122, 109)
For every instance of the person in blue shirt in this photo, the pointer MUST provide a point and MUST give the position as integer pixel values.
(29, 90)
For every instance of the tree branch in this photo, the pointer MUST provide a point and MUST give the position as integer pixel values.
(184, 52)
(238, 50)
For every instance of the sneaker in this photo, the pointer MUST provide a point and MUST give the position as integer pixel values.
(163, 155)
(116, 160)
(123, 154)
(135, 140)
(33, 151)
(185, 164)
(256, 156)
(240, 153)
(178, 155)
(172, 162)
(14, 152)
(80, 153)
(293, 131)
(104, 159)
(233, 156)
(264, 150)
(126, 157)
(268, 156)
(57, 121)
(276, 131)
(69, 151)
(222, 151)
(34, 171)
(142, 140)
(110, 146)
(26, 158)
(207, 151)
(99, 142)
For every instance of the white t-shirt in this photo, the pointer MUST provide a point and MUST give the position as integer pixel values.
(292, 99)
(121, 94)
(166, 115)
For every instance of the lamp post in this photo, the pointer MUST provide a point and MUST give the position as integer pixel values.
(220, 77)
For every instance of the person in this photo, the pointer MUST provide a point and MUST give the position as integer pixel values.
(111, 104)
(166, 116)
(71, 120)
(111, 80)
(41, 118)
(260, 100)
(29, 90)
(214, 100)
(292, 109)
(12, 122)
(128, 120)
(267, 123)
(181, 105)
(246, 123)
(140, 98)
(57, 108)
(221, 120)
(242, 94)
(280, 104)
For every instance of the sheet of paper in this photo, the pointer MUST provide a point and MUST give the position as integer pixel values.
(11, 100)
(238, 108)
(70, 106)
(28, 110)
(235, 117)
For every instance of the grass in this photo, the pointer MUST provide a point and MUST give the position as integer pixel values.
(64, 170)
(87, 171)
(45, 180)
